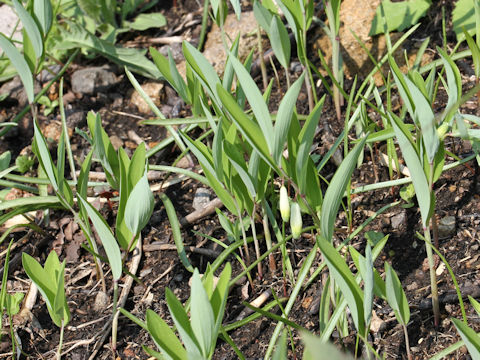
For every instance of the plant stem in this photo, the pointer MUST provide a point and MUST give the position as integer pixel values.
(115, 314)
(255, 243)
(407, 342)
(60, 343)
(433, 276)
(268, 240)
(260, 55)
(65, 131)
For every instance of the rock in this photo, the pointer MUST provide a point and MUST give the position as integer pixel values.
(15, 90)
(117, 143)
(75, 118)
(8, 22)
(101, 301)
(201, 198)
(91, 80)
(153, 90)
(215, 52)
(47, 75)
(355, 59)
(53, 131)
(398, 220)
(446, 226)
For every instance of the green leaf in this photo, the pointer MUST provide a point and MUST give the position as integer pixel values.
(336, 190)
(284, 116)
(30, 27)
(136, 168)
(13, 303)
(139, 206)
(343, 277)
(109, 243)
(368, 280)
(44, 13)
(20, 65)
(5, 158)
(146, 21)
(248, 127)
(258, 105)
(420, 183)
(60, 305)
(398, 15)
(164, 337)
(202, 319)
(315, 348)
(41, 150)
(396, 296)
(176, 233)
(280, 41)
(475, 304)
(262, 15)
(470, 337)
(475, 52)
(454, 80)
(463, 16)
(182, 323)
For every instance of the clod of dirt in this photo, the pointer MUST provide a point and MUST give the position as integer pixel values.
(101, 301)
(153, 90)
(91, 80)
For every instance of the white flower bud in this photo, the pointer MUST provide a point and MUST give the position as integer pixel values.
(296, 220)
(284, 204)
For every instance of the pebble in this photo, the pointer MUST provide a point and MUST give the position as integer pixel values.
(201, 198)
(446, 226)
(101, 301)
(92, 80)
(398, 220)
(154, 92)
(117, 143)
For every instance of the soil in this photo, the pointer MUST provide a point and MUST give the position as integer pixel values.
(457, 195)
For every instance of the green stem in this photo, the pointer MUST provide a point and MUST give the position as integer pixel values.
(65, 131)
(268, 239)
(115, 314)
(60, 343)
(255, 243)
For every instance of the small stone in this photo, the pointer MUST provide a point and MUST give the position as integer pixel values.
(446, 226)
(201, 198)
(92, 80)
(101, 301)
(183, 163)
(154, 92)
(117, 143)
(440, 269)
(412, 286)
(398, 220)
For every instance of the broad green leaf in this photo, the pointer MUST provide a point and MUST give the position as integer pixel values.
(368, 280)
(45, 201)
(164, 337)
(136, 168)
(201, 313)
(281, 348)
(30, 27)
(146, 21)
(82, 182)
(463, 16)
(336, 190)
(475, 304)
(262, 15)
(346, 282)
(219, 296)
(176, 233)
(398, 15)
(255, 99)
(109, 243)
(134, 59)
(139, 206)
(248, 127)
(45, 283)
(475, 52)
(236, 7)
(280, 41)
(420, 183)
(396, 296)
(426, 118)
(316, 348)
(454, 80)
(44, 157)
(13, 302)
(470, 337)
(60, 307)
(44, 13)
(239, 164)
(5, 158)
(284, 116)
(378, 283)
(20, 65)
(305, 141)
(182, 322)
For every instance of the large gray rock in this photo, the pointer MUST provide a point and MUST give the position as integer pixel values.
(93, 80)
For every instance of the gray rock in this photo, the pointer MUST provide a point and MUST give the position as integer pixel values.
(48, 74)
(15, 90)
(201, 198)
(446, 226)
(91, 80)
(399, 220)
